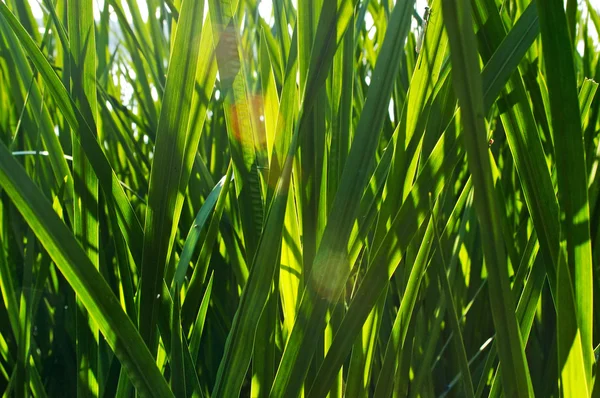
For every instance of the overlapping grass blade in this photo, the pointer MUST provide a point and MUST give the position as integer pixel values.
(85, 217)
(85, 280)
(337, 132)
(572, 196)
(467, 83)
(331, 267)
(110, 184)
(237, 354)
(164, 197)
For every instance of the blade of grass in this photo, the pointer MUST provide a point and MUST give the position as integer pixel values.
(196, 333)
(55, 152)
(519, 123)
(238, 351)
(192, 299)
(245, 144)
(194, 233)
(453, 316)
(164, 196)
(572, 193)
(331, 268)
(385, 382)
(85, 217)
(110, 184)
(178, 382)
(85, 280)
(467, 83)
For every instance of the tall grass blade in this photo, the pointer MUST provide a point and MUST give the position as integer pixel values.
(467, 84)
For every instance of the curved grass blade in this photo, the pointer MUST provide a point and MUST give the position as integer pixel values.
(196, 333)
(423, 82)
(194, 233)
(192, 299)
(510, 51)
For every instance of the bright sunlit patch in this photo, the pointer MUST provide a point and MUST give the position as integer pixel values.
(421, 4)
(36, 9)
(112, 16)
(126, 90)
(98, 7)
(265, 9)
(370, 25)
(580, 46)
(592, 32)
(126, 12)
(243, 22)
(115, 77)
(143, 7)
(485, 344)
(327, 281)
(420, 8)
(369, 21)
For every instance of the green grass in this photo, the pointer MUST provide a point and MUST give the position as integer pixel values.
(212, 201)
